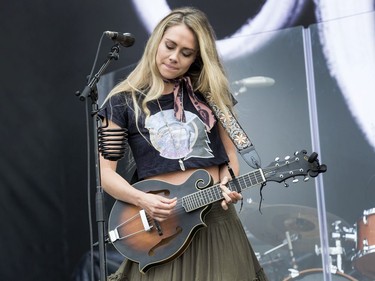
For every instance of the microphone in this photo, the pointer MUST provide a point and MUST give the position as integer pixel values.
(255, 81)
(124, 39)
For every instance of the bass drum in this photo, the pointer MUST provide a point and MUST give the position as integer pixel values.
(316, 274)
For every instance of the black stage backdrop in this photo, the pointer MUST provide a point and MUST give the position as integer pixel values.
(47, 50)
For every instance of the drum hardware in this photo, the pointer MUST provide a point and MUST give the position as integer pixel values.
(276, 220)
(332, 251)
(293, 237)
(261, 257)
(317, 274)
(276, 264)
(301, 223)
(290, 247)
(364, 258)
(337, 251)
(293, 273)
(366, 246)
(365, 215)
(350, 233)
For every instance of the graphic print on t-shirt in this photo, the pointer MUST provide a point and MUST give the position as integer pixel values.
(176, 140)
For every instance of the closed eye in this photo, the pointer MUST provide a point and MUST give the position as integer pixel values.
(186, 52)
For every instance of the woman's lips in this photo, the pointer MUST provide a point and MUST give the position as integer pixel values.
(170, 67)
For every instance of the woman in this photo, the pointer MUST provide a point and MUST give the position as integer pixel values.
(172, 133)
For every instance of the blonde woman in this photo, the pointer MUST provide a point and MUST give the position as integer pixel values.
(173, 134)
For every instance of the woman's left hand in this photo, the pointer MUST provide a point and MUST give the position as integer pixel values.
(229, 196)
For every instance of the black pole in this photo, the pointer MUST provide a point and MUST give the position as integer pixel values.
(91, 91)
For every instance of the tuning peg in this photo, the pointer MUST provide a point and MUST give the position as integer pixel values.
(313, 157)
(296, 153)
(277, 159)
(317, 170)
(313, 173)
(295, 180)
(286, 184)
(305, 179)
(287, 159)
(323, 168)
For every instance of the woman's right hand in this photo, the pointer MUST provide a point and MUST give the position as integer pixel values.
(156, 206)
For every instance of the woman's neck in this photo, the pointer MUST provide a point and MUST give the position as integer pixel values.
(168, 88)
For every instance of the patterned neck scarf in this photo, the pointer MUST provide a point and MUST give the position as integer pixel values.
(204, 111)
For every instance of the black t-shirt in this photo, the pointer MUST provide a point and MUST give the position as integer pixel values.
(160, 141)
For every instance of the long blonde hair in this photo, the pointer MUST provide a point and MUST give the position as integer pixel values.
(206, 73)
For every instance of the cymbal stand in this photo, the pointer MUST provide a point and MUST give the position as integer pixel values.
(290, 247)
(293, 237)
(288, 241)
(293, 272)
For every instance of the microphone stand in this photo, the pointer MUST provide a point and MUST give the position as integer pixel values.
(91, 91)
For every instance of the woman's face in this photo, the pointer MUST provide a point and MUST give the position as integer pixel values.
(176, 52)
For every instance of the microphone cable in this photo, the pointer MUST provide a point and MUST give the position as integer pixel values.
(89, 209)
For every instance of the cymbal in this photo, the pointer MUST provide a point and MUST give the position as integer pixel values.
(271, 225)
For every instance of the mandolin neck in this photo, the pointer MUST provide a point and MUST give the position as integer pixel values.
(214, 193)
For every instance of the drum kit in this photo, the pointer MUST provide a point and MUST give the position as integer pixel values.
(292, 232)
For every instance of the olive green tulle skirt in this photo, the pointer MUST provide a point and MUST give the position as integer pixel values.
(219, 252)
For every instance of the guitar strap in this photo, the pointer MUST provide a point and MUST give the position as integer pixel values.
(238, 136)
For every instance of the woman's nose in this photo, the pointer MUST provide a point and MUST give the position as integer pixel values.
(173, 56)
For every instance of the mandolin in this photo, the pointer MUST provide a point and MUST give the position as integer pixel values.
(149, 242)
